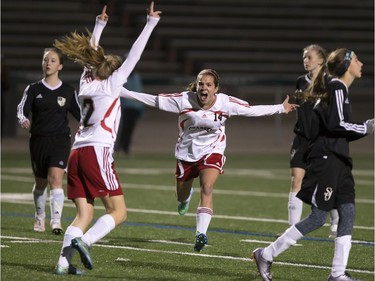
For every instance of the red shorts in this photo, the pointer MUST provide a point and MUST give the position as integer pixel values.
(189, 170)
(91, 173)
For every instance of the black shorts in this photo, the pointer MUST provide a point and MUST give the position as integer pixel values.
(298, 152)
(46, 152)
(328, 183)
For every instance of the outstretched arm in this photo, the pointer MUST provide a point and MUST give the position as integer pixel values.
(240, 107)
(146, 99)
(288, 107)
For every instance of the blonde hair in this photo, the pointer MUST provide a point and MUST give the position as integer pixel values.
(78, 48)
(337, 64)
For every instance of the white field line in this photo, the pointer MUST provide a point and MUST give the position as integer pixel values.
(260, 173)
(28, 240)
(263, 242)
(26, 199)
(172, 188)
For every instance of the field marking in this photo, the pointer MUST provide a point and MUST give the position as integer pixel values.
(173, 242)
(33, 240)
(27, 199)
(160, 171)
(260, 173)
(263, 242)
(197, 190)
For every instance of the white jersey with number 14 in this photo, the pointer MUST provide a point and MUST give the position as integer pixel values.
(202, 131)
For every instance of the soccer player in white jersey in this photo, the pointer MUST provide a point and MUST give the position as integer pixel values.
(202, 111)
(91, 172)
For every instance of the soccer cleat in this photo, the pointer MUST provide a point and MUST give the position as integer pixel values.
(39, 224)
(57, 228)
(264, 266)
(84, 252)
(59, 270)
(183, 207)
(201, 240)
(344, 277)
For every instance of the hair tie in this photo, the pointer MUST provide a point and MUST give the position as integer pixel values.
(345, 65)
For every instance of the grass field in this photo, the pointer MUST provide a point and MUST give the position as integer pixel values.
(156, 244)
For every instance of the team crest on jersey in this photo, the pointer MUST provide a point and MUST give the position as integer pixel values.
(328, 193)
(61, 101)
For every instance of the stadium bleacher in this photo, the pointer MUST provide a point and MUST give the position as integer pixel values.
(253, 41)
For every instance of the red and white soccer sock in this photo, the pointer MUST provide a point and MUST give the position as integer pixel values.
(343, 245)
(104, 225)
(40, 198)
(295, 207)
(203, 218)
(67, 250)
(56, 203)
(287, 239)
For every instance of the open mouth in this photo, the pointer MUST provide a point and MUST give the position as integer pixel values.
(203, 97)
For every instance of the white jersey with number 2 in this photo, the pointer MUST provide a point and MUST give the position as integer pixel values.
(202, 131)
(100, 103)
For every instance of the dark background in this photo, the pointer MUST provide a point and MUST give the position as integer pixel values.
(256, 47)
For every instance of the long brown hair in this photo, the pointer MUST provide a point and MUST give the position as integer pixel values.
(337, 64)
(192, 87)
(78, 48)
(316, 89)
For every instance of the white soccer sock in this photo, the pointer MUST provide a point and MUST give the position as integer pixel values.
(287, 239)
(343, 245)
(295, 207)
(67, 251)
(56, 203)
(203, 218)
(334, 219)
(104, 225)
(40, 201)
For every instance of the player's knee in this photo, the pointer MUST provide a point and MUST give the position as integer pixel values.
(120, 216)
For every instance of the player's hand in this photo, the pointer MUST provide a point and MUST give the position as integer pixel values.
(152, 13)
(288, 107)
(370, 126)
(25, 124)
(103, 16)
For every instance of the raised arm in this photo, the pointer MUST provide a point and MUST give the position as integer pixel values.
(140, 44)
(100, 23)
